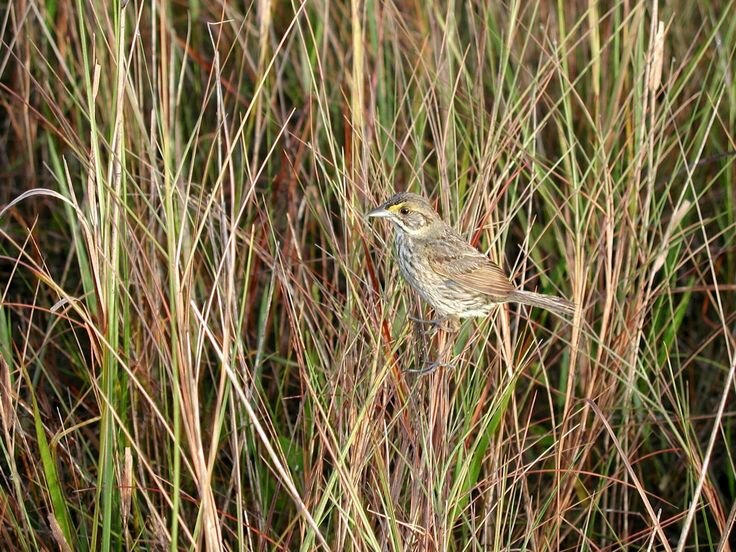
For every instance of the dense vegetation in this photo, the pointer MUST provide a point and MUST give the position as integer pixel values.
(203, 343)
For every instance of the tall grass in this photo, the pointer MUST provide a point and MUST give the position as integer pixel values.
(204, 344)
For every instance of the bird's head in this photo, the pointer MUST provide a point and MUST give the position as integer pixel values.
(409, 213)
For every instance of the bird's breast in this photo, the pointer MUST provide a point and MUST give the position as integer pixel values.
(415, 268)
(445, 295)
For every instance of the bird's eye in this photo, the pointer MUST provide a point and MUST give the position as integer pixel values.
(404, 210)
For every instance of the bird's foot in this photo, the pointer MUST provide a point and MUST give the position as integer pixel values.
(447, 324)
(427, 321)
(429, 368)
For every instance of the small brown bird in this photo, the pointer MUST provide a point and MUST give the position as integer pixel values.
(447, 272)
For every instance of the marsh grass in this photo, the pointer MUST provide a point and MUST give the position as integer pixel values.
(203, 343)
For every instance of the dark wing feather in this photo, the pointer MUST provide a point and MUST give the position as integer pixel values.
(471, 269)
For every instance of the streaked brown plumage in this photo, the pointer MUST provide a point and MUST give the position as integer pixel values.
(447, 272)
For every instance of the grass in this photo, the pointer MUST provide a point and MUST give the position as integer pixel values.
(204, 344)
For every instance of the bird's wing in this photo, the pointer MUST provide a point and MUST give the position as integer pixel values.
(472, 270)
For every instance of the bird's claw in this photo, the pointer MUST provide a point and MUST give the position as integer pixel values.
(426, 321)
(444, 323)
(429, 368)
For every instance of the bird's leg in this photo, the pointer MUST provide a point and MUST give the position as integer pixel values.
(436, 323)
(451, 326)
(434, 326)
(447, 324)
(429, 368)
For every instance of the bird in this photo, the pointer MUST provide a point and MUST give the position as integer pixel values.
(447, 272)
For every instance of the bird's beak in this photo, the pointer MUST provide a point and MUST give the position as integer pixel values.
(378, 212)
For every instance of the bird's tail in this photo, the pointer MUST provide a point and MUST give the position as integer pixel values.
(557, 305)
